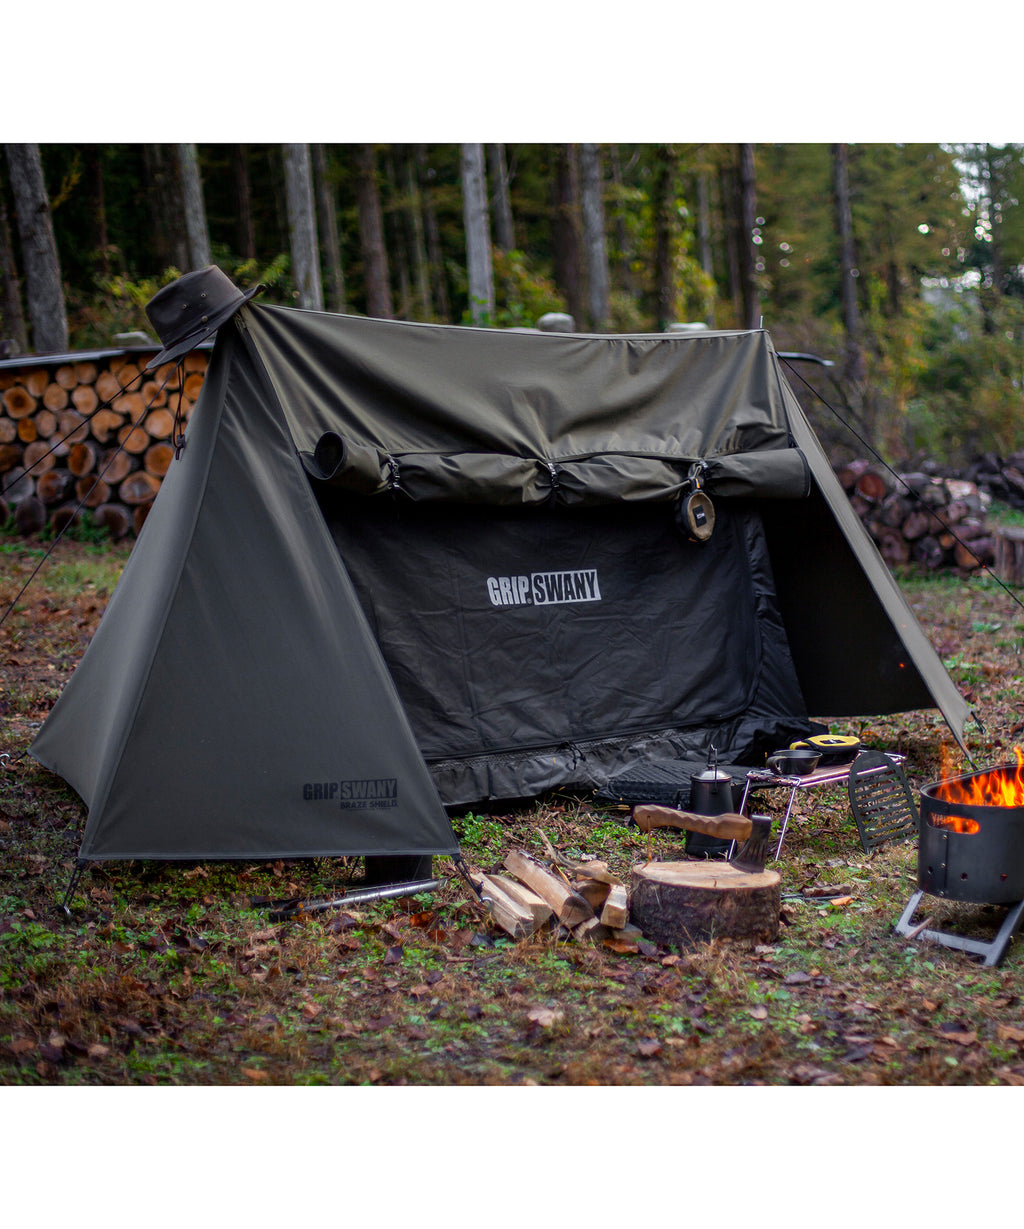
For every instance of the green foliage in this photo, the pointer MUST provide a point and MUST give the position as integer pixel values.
(522, 295)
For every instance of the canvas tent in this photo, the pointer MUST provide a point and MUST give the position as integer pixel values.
(404, 568)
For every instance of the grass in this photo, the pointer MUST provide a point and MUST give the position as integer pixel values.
(173, 975)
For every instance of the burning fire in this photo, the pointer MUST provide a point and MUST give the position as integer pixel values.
(998, 787)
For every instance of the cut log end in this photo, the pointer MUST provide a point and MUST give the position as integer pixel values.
(687, 903)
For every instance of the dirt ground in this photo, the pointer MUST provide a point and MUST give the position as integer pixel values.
(175, 975)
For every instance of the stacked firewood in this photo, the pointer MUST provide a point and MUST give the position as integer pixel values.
(580, 900)
(920, 518)
(89, 437)
(1001, 478)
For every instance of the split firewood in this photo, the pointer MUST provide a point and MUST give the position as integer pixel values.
(18, 402)
(92, 491)
(82, 459)
(52, 486)
(727, 827)
(569, 906)
(615, 913)
(513, 918)
(36, 381)
(158, 458)
(73, 428)
(584, 870)
(85, 399)
(104, 423)
(114, 464)
(38, 457)
(55, 397)
(46, 423)
(593, 891)
(540, 910)
(591, 931)
(139, 488)
(114, 518)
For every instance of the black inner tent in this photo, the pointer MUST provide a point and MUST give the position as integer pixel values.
(521, 639)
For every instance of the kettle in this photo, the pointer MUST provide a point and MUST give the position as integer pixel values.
(711, 793)
(711, 790)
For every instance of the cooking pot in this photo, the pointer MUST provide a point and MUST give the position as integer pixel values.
(794, 763)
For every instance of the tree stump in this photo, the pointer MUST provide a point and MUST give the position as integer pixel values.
(687, 903)
(1009, 555)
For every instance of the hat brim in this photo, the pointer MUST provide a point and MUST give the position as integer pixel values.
(182, 347)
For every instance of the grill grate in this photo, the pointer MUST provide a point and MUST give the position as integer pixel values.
(882, 801)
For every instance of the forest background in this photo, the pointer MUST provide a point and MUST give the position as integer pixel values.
(902, 263)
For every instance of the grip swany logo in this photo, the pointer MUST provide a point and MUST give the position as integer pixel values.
(544, 588)
(373, 793)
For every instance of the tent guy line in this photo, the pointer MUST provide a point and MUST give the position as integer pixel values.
(951, 529)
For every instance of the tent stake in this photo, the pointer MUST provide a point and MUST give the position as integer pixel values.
(76, 875)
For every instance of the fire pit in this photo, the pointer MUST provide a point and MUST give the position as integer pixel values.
(971, 848)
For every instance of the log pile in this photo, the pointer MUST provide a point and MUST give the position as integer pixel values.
(935, 522)
(89, 436)
(580, 900)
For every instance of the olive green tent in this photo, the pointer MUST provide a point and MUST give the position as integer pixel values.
(401, 568)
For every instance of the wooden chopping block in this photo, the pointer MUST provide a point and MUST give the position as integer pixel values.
(727, 827)
(692, 902)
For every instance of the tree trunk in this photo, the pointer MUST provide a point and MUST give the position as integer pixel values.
(245, 231)
(593, 231)
(665, 236)
(731, 228)
(397, 236)
(707, 262)
(195, 209)
(421, 265)
(101, 239)
(44, 291)
(504, 229)
(13, 335)
(623, 261)
(853, 366)
(565, 231)
(305, 252)
(432, 234)
(371, 235)
(329, 239)
(167, 210)
(478, 235)
(748, 215)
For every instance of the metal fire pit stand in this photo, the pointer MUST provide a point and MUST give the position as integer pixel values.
(993, 951)
(833, 774)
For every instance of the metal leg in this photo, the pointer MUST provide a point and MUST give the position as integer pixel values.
(993, 951)
(785, 821)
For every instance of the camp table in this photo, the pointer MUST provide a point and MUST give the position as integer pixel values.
(830, 774)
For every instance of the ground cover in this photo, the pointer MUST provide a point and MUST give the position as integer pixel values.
(171, 975)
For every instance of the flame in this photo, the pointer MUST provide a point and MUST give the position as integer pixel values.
(998, 787)
(955, 823)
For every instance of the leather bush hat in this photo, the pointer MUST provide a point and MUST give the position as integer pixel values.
(191, 309)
